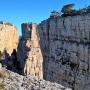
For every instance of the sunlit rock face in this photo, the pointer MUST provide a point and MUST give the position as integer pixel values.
(65, 45)
(29, 52)
(8, 37)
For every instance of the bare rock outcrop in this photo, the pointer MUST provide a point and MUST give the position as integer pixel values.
(29, 51)
(58, 49)
(65, 43)
(8, 37)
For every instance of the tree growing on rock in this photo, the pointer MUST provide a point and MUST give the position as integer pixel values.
(88, 9)
(54, 14)
(67, 8)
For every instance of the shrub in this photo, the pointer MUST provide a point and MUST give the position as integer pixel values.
(54, 13)
(67, 8)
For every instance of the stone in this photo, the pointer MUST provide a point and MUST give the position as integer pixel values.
(29, 52)
(66, 51)
(19, 82)
(8, 37)
(57, 50)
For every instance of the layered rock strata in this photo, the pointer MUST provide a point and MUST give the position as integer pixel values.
(65, 45)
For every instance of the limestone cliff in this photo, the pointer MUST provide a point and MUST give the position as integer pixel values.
(65, 45)
(8, 37)
(29, 52)
(62, 45)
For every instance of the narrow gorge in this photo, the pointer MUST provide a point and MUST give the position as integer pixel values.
(56, 50)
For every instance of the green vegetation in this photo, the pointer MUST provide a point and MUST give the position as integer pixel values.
(68, 10)
(54, 13)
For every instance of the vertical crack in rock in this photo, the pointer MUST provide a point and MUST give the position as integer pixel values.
(29, 52)
(67, 60)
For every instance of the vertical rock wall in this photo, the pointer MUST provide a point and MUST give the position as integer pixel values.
(8, 37)
(65, 45)
(23, 49)
(29, 52)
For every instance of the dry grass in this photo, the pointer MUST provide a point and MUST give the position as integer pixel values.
(4, 74)
(2, 86)
(29, 82)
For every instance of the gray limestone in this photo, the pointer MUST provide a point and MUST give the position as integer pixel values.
(65, 45)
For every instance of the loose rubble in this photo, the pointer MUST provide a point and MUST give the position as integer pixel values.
(14, 81)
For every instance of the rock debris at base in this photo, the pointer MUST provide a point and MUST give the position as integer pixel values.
(14, 81)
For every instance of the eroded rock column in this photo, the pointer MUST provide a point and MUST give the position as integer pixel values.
(31, 62)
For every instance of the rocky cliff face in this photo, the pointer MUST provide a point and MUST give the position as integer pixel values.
(29, 51)
(65, 45)
(8, 37)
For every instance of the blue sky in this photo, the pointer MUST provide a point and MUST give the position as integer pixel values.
(19, 11)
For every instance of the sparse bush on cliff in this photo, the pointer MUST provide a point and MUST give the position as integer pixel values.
(54, 14)
(1, 22)
(8, 23)
(88, 9)
(68, 10)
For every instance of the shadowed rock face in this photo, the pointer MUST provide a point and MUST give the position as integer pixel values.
(29, 53)
(62, 45)
(8, 37)
(65, 45)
